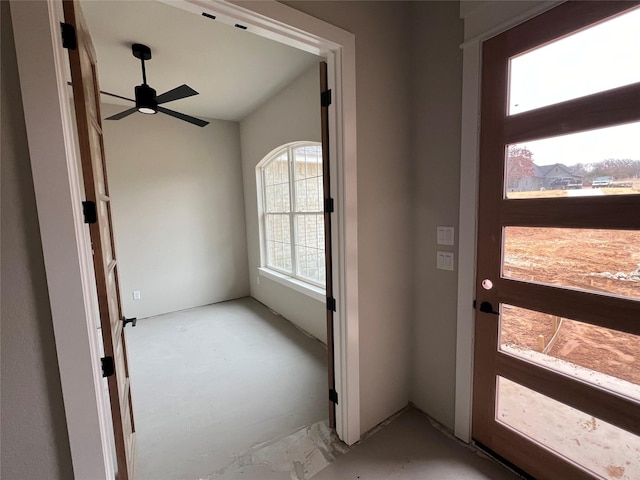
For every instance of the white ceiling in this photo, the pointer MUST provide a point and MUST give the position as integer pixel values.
(233, 70)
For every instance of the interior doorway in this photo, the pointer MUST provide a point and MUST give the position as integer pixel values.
(556, 342)
(43, 82)
(157, 167)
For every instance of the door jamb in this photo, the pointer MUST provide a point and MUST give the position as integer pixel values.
(43, 70)
(43, 66)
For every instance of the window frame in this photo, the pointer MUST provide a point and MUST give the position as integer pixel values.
(291, 279)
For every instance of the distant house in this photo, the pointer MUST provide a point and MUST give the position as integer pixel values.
(544, 176)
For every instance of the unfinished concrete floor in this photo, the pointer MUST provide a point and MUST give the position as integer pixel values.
(409, 447)
(233, 392)
(214, 386)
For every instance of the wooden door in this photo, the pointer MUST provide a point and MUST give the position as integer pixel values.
(544, 290)
(89, 124)
(325, 102)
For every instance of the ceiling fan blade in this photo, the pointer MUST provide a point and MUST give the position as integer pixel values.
(110, 94)
(117, 96)
(182, 116)
(183, 91)
(120, 115)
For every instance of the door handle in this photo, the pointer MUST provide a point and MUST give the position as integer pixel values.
(132, 321)
(486, 307)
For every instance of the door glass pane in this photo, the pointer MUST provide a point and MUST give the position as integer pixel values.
(603, 261)
(605, 161)
(593, 60)
(605, 449)
(594, 354)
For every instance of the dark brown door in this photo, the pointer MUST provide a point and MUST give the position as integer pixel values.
(557, 327)
(324, 111)
(87, 106)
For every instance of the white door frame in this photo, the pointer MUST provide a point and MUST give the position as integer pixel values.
(43, 69)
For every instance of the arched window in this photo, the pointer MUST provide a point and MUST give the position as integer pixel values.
(292, 217)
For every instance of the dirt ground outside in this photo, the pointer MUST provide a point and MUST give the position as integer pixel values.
(596, 260)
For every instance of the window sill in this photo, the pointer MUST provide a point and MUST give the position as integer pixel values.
(295, 284)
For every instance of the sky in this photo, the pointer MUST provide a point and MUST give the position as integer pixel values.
(600, 58)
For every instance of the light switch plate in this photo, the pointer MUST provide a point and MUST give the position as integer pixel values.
(445, 235)
(444, 260)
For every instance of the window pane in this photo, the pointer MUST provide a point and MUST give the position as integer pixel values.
(604, 261)
(308, 178)
(278, 242)
(605, 161)
(310, 247)
(277, 198)
(596, 59)
(277, 171)
(309, 195)
(605, 449)
(591, 353)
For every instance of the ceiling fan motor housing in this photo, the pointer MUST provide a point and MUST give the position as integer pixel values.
(146, 99)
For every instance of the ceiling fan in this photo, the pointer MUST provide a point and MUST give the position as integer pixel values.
(146, 99)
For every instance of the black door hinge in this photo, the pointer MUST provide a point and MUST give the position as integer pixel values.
(89, 212)
(328, 205)
(69, 39)
(325, 98)
(333, 396)
(331, 304)
(108, 366)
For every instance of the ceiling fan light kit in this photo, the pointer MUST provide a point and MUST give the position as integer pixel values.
(147, 101)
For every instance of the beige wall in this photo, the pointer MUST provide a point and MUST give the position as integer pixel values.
(34, 441)
(291, 115)
(385, 212)
(436, 116)
(178, 211)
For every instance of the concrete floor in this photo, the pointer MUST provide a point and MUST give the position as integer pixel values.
(213, 385)
(234, 392)
(410, 448)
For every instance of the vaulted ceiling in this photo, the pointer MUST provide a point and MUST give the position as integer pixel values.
(234, 70)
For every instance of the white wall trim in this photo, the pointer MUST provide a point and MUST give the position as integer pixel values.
(42, 65)
(481, 20)
(66, 246)
(467, 239)
(305, 288)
